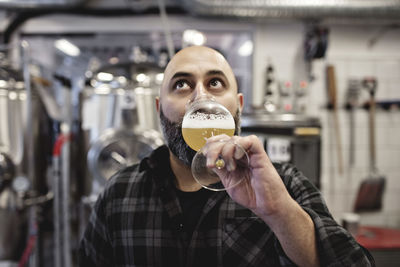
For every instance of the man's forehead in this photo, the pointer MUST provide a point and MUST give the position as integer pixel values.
(197, 59)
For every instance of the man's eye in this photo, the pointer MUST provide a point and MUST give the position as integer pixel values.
(179, 85)
(216, 84)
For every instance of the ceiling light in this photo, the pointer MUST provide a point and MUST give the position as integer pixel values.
(194, 37)
(159, 77)
(105, 76)
(141, 77)
(67, 47)
(246, 49)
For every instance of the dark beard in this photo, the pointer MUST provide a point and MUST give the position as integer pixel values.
(172, 132)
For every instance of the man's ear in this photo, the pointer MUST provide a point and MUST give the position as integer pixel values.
(158, 104)
(240, 101)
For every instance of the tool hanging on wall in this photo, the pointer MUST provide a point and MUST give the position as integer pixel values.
(370, 193)
(332, 104)
(352, 95)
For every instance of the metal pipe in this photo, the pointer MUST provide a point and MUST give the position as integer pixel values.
(56, 209)
(368, 9)
(34, 257)
(166, 28)
(66, 196)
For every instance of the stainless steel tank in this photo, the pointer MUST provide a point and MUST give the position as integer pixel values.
(24, 139)
(12, 113)
(120, 115)
(121, 123)
(12, 217)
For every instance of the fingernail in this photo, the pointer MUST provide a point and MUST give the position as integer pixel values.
(209, 163)
(238, 153)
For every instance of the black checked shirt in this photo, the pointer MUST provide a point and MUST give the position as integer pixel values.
(138, 221)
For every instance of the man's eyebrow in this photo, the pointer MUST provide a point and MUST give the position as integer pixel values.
(181, 74)
(216, 72)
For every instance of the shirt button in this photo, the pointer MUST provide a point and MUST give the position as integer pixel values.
(180, 227)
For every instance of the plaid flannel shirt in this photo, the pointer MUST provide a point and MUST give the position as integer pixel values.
(137, 221)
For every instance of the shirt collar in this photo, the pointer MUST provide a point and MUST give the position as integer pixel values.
(159, 166)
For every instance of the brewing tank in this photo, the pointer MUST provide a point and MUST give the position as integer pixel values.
(24, 152)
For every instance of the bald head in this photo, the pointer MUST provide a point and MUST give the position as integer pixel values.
(194, 59)
(196, 71)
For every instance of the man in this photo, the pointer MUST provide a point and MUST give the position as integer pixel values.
(155, 214)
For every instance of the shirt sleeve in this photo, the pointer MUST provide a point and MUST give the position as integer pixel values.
(336, 246)
(95, 247)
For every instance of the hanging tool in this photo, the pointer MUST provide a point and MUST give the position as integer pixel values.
(371, 190)
(352, 95)
(332, 97)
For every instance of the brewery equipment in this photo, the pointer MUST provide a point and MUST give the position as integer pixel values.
(125, 95)
(24, 142)
(10, 212)
(288, 137)
(120, 121)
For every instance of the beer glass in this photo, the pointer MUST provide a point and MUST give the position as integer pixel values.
(206, 118)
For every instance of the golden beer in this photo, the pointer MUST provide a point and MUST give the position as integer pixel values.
(206, 118)
(197, 127)
(196, 137)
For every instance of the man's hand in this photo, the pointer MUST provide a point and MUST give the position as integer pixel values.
(262, 189)
(263, 192)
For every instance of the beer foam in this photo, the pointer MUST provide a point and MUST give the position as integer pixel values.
(202, 120)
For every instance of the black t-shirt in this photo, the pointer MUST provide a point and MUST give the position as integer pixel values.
(192, 204)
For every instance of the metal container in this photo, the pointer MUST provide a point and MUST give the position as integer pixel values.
(12, 217)
(12, 113)
(13, 225)
(119, 148)
(24, 138)
(293, 138)
(120, 115)
(146, 109)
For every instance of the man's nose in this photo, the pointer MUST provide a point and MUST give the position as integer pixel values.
(199, 91)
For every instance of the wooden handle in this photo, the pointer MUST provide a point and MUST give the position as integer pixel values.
(42, 81)
(370, 84)
(372, 151)
(331, 84)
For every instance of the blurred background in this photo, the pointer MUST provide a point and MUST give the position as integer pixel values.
(78, 79)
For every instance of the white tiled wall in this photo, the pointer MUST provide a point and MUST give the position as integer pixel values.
(349, 52)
